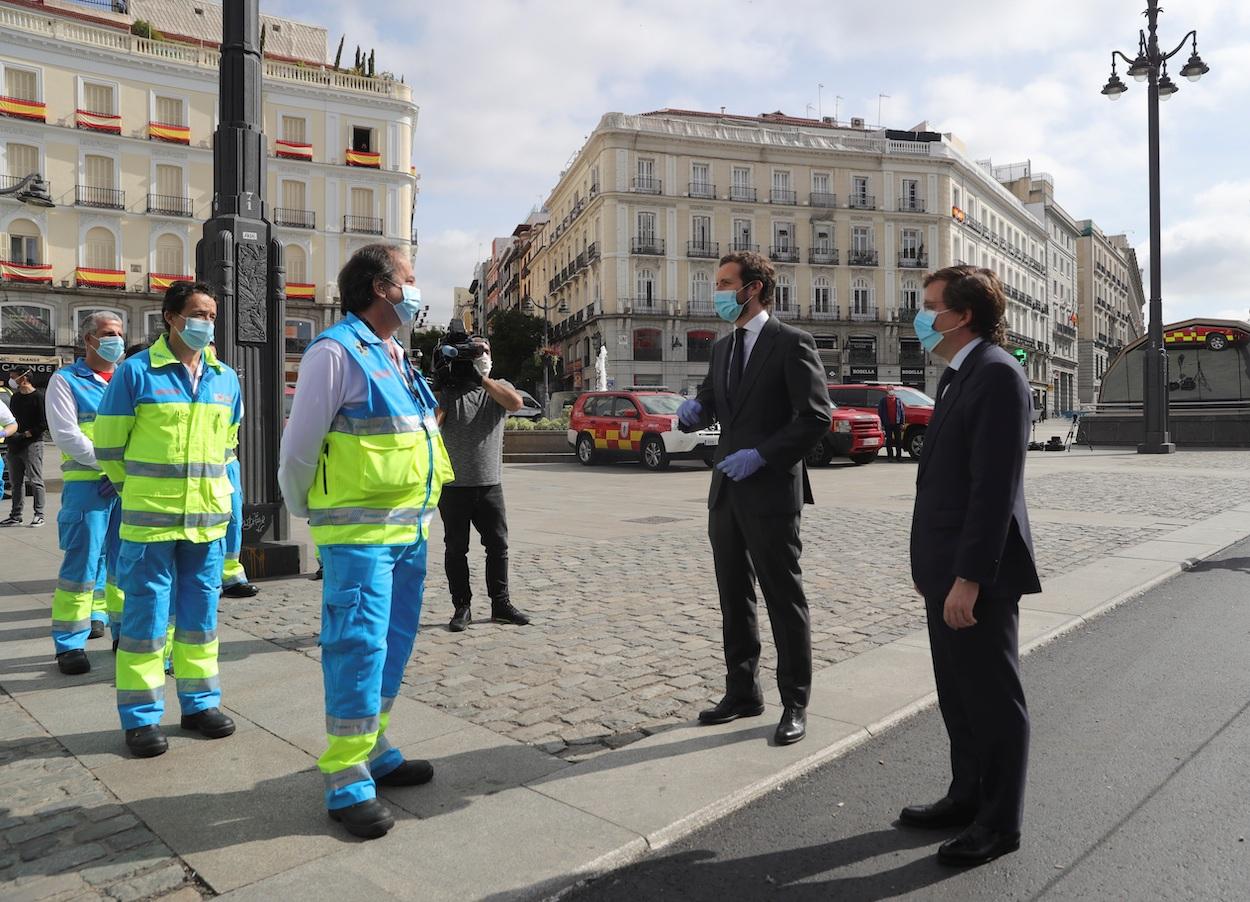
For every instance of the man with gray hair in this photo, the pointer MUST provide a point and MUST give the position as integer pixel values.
(90, 516)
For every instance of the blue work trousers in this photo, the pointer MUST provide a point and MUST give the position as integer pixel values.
(83, 534)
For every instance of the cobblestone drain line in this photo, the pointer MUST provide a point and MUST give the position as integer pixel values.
(64, 836)
(626, 639)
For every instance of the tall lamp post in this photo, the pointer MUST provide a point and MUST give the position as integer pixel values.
(31, 190)
(1151, 64)
(546, 308)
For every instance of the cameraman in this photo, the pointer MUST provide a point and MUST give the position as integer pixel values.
(473, 409)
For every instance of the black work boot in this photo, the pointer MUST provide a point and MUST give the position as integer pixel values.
(461, 619)
(369, 819)
(412, 772)
(211, 722)
(146, 742)
(73, 662)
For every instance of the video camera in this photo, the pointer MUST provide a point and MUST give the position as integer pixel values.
(453, 358)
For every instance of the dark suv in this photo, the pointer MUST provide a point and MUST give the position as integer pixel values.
(865, 397)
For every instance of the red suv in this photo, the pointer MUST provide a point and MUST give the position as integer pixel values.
(864, 397)
(852, 434)
(639, 424)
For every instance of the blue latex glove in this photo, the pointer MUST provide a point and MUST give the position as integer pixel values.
(107, 489)
(689, 412)
(741, 464)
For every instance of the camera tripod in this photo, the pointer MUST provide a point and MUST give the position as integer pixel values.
(1074, 434)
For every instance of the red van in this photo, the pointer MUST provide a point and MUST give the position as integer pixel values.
(865, 396)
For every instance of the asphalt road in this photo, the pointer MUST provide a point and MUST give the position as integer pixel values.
(1139, 784)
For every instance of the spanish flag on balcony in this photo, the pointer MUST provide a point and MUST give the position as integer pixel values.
(289, 150)
(159, 281)
(100, 278)
(98, 122)
(24, 109)
(301, 291)
(364, 158)
(175, 134)
(20, 272)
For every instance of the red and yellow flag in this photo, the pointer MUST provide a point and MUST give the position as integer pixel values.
(363, 158)
(98, 122)
(158, 281)
(306, 291)
(24, 109)
(21, 272)
(291, 151)
(87, 277)
(175, 134)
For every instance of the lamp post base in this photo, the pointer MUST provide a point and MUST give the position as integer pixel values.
(1157, 445)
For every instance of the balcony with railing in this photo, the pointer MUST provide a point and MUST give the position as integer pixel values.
(863, 313)
(787, 310)
(647, 245)
(784, 253)
(742, 194)
(823, 256)
(362, 225)
(913, 260)
(783, 196)
(704, 190)
(101, 198)
(652, 305)
(701, 307)
(862, 258)
(294, 218)
(907, 314)
(592, 252)
(169, 205)
(644, 185)
(743, 247)
(823, 199)
(911, 205)
(706, 250)
(862, 202)
(826, 310)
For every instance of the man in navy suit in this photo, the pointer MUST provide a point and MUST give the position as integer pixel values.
(766, 387)
(972, 559)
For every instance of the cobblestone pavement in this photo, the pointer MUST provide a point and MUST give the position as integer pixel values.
(626, 639)
(64, 836)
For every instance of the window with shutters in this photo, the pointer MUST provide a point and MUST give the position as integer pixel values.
(784, 298)
(296, 263)
(169, 256)
(99, 98)
(153, 325)
(861, 297)
(822, 296)
(294, 129)
(646, 227)
(362, 202)
(170, 111)
(21, 84)
(100, 249)
(701, 231)
(99, 171)
(21, 159)
(701, 292)
(293, 196)
(644, 284)
(861, 239)
(25, 244)
(169, 180)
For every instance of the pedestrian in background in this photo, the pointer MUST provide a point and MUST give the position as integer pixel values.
(89, 519)
(162, 432)
(26, 448)
(362, 459)
(893, 415)
(473, 410)
(972, 559)
(766, 387)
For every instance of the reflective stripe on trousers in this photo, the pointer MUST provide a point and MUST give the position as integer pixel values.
(82, 533)
(232, 573)
(371, 605)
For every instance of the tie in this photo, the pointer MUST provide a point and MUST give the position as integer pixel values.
(947, 375)
(736, 364)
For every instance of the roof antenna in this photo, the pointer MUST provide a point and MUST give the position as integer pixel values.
(722, 111)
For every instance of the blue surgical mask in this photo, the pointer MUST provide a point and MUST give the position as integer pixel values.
(111, 348)
(929, 337)
(196, 333)
(727, 306)
(410, 305)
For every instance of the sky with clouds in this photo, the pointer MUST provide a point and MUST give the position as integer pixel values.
(509, 90)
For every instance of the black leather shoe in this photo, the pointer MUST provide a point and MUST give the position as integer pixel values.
(114, 646)
(146, 742)
(73, 662)
(945, 812)
(211, 722)
(507, 613)
(240, 590)
(460, 620)
(977, 845)
(412, 772)
(793, 726)
(730, 708)
(97, 630)
(369, 819)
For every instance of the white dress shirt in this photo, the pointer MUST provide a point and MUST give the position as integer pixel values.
(754, 327)
(62, 414)
(959, 358)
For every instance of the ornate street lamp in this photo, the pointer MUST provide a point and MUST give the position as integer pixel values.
(1151, 64)
(547, 307)
(31, 190)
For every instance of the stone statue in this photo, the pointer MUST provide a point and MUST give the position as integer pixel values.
(601, 369)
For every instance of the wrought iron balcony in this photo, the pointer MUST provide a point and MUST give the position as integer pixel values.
(911, 204)
(913, 260)
(701, 307)
(645, 305)
(702, 189)
(823, 199)
(643, 185)
(707, 250)
(364, 225)
(862, 202)
(104, 198)
(907, 314)
(742, 194)
(592, 252)
(743, 247)
(783, 196)
(823, 256)
(861, 258)
(789, 310)
(863, 313)
(648, 245)
(784, 253)
(296, 219)
(169, 205)
(826, 311)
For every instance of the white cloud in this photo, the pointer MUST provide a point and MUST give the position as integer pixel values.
(1204, 263)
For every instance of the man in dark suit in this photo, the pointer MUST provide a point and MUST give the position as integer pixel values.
(972, 559)
(766, 388)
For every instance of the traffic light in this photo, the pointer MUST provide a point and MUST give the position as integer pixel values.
(1022, 355)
